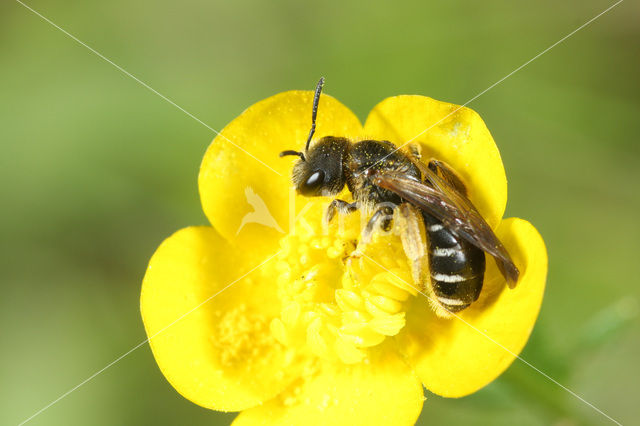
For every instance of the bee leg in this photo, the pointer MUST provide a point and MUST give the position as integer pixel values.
(339, 206)
(443, 170)
(413, 237)
(415, 154)
(415, 150)
(438, 167)
(382, 218)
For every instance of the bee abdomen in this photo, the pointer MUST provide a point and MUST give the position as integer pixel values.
(456, 296)
(457, 267)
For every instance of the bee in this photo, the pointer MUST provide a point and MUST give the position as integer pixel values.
(437, 220)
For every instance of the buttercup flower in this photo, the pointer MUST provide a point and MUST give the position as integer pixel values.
(306, 325)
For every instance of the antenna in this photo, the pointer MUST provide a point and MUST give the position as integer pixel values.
(290, 152)
(314, 112)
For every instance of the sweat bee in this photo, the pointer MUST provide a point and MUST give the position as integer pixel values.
(430, 200)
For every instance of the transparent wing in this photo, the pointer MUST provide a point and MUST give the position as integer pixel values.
(443, 201)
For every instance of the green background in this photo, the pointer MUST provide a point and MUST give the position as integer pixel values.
(96, 170)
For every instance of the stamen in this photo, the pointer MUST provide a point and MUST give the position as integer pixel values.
(335, 303)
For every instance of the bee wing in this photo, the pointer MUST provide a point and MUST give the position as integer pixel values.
(455, 211)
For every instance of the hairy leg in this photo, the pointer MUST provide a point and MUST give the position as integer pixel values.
(382, 218)
(339, 206)
(413, 237)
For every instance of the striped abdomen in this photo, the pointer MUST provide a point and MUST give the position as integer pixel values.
(457, 266)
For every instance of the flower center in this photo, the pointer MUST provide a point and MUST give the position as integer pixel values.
(339, 297)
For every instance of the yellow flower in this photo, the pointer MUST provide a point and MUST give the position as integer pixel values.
(293, 328)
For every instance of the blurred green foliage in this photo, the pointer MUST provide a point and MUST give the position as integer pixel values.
(96, 171)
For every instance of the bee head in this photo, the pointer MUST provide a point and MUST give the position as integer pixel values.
(319, 171)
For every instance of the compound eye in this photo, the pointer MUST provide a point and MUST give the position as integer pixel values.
(313, 182)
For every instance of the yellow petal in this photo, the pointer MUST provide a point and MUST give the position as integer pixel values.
(219, 354)
(383, 391)
(231, 179)
(455, 357)
(455, 135)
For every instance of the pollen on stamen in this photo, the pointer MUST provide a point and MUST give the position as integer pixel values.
(241, 336)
